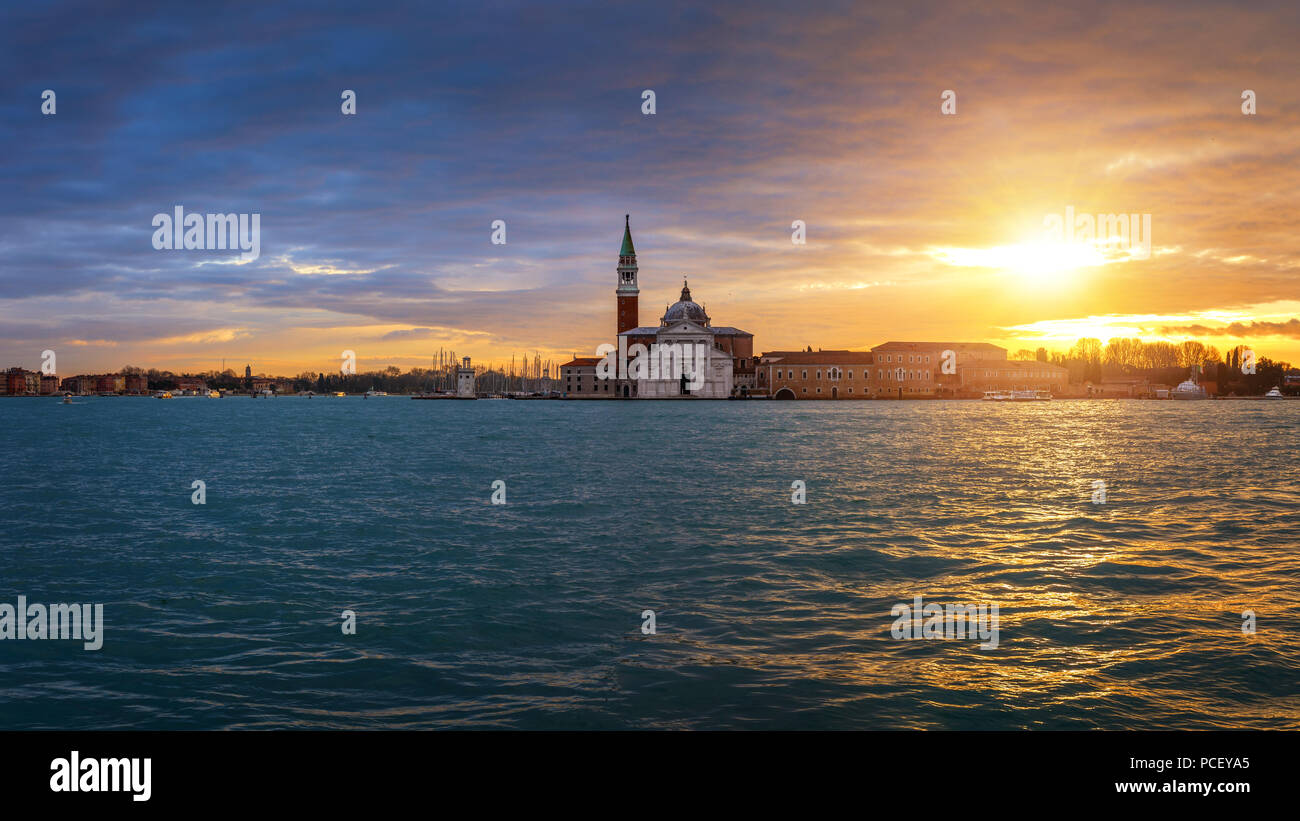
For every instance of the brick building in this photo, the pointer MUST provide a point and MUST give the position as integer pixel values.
(578, 379)
(816, 375)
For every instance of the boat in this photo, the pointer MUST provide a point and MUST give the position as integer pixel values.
(1188, 390)
(165, 395)
(214, 394)
(67, 399)
(1274, 394)
(340, 393)
(997, 396)
(1024, 396)
(1043, 396)
(373, 392)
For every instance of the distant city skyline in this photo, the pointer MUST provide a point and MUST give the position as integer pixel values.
(376, 228)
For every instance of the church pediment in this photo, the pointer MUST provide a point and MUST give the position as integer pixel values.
(684, 327)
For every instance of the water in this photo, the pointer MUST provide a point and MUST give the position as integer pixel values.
(769, 614)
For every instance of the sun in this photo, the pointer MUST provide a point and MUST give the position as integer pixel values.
(1038, 261)
(1047, 259)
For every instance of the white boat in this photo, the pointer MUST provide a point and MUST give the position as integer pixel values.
(373, 392)
(997, 396)
(1188, 390)
(1274, 394)
(1026, 396)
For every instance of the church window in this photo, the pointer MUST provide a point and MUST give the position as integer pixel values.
(805, 376)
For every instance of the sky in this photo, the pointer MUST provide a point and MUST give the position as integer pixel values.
(376, 228)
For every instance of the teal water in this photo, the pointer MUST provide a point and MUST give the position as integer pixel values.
(769, 614)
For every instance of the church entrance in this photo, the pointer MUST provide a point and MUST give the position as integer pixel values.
(784, 393)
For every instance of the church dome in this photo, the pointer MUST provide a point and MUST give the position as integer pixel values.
(685, 308)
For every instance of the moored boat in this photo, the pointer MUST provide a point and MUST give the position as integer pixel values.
(1188, 390)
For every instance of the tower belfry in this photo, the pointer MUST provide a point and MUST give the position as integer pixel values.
(627, 290)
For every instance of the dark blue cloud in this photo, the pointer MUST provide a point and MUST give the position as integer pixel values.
(530, 112)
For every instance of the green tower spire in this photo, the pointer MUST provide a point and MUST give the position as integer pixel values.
(627, 249)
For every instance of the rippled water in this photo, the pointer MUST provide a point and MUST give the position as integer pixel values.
(769, 614)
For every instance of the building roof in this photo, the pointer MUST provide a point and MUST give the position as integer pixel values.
(819, 357)
(651, 331)
(627, 250)
(581, 361)
(928, 346)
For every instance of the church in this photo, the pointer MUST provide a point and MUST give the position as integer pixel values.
(719, 361)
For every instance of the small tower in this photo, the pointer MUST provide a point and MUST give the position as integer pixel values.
(627, 290)
(465, 380)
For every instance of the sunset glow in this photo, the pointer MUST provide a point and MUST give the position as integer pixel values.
(919, 224)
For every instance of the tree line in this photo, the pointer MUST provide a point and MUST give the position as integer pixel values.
(1089, 360)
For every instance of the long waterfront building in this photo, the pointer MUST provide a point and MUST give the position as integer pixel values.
(893, 370)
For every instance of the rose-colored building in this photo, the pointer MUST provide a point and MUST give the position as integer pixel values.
(816, 375)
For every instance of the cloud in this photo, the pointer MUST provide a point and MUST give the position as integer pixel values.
(1239, 330)
(766, 114)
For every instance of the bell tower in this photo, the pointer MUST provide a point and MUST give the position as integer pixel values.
(627, 290)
